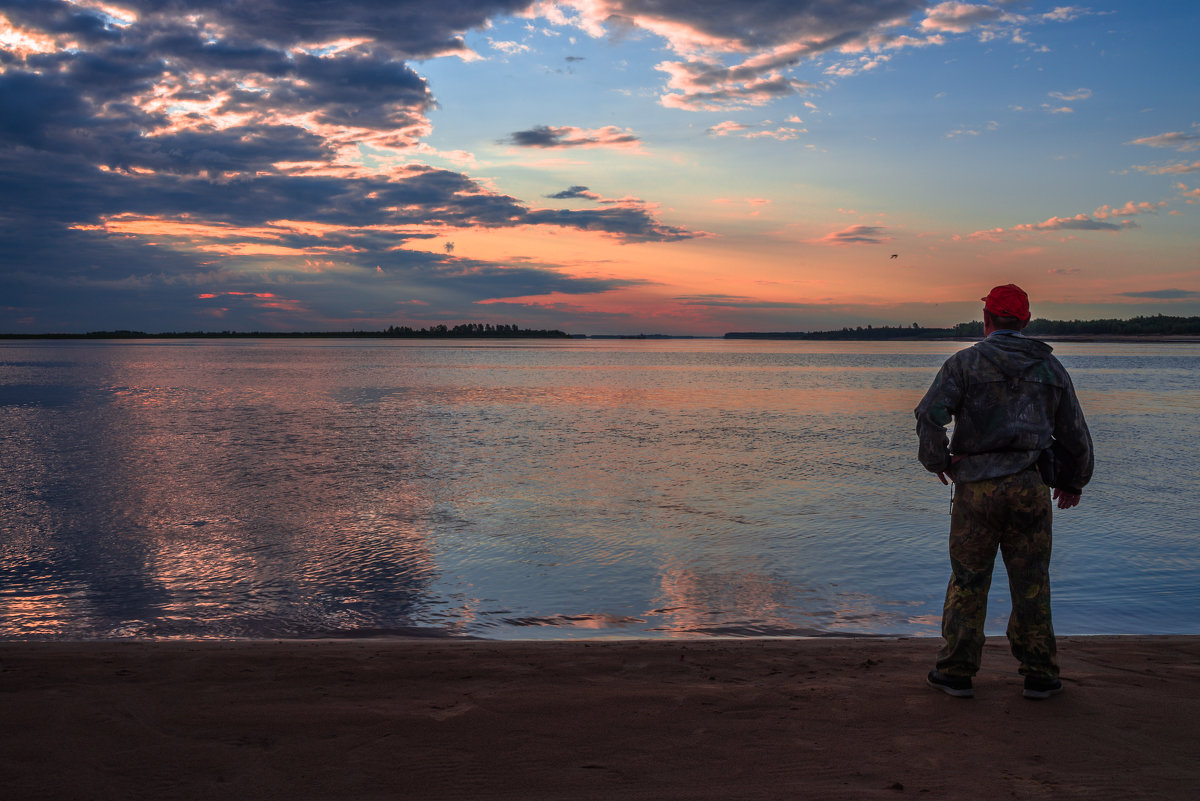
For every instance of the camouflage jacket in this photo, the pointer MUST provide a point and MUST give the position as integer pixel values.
(1010, 400)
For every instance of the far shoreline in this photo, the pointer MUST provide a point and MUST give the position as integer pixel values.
(783, 337)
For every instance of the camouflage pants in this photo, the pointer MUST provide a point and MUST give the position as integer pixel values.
(1011, 514)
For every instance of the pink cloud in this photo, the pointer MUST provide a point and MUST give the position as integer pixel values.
(1128, 210)
(959, 17)
(1098, 220)
(1177, 140)
(730, 128)
(726, 128)
(1179, 168)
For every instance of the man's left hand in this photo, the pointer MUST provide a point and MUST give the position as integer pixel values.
(1065, 499)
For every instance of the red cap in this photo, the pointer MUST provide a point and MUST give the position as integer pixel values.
(1008, 301)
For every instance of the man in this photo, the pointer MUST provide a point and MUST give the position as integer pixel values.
(1017, 428)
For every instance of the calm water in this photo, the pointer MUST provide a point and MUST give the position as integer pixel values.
(558, 489)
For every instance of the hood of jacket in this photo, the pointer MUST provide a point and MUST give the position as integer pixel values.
(1013, 356)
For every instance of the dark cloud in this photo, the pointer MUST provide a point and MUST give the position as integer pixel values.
(764, 23)
(146, 169)
(347, 92)
(765, 40)
(857, 235)
(1084, 225)
(1163, 294)
(574, 193)
(478, 281)
(774, 35)
(566, 136)
(406, 29)
(34, 107)
(62, 18)
(629, 224)
(627, 218)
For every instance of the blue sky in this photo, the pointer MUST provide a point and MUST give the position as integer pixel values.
(599, 166)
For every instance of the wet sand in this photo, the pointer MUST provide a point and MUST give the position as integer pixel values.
(725, 719)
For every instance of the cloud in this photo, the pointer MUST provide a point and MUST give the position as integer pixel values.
(1189, 195)
(845, 69)
(627, 219)
(744, 54)
(759, 131)
(1066, 97)
(1080, 222)
(1177, 140)
(706, 85)
(857, 235)
(1064, 13)
(1070, 97)
(727, 128)
(959, 17)
(575, 193)
(509, 48)
(1098, 220)
(991, 125)
(1178, 168)
(690, 26)
(558, 137)
(1128, 210)
(1163, 294)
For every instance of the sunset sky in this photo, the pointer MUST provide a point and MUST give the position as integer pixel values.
(596, 166)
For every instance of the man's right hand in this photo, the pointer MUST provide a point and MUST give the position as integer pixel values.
(944, 476)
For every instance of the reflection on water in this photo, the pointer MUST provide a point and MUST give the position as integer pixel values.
(545, 490)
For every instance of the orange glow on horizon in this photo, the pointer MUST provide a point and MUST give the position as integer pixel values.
(768, 277)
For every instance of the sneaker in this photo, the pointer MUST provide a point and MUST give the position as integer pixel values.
(958, 686)
(1038, 687)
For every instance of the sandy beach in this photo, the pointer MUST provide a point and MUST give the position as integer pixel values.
(714, 719)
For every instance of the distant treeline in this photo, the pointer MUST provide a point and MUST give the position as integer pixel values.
(464, 331)
(1158, 325)
(473, 331)
(861, 332)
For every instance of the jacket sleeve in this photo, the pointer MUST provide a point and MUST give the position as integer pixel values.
(934, 413)
(1073, 456)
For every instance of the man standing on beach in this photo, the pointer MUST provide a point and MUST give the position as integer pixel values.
(1017, 428)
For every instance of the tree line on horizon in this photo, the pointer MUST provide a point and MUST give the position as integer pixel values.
(473, 331)
(440, 331)
(1157, 325)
